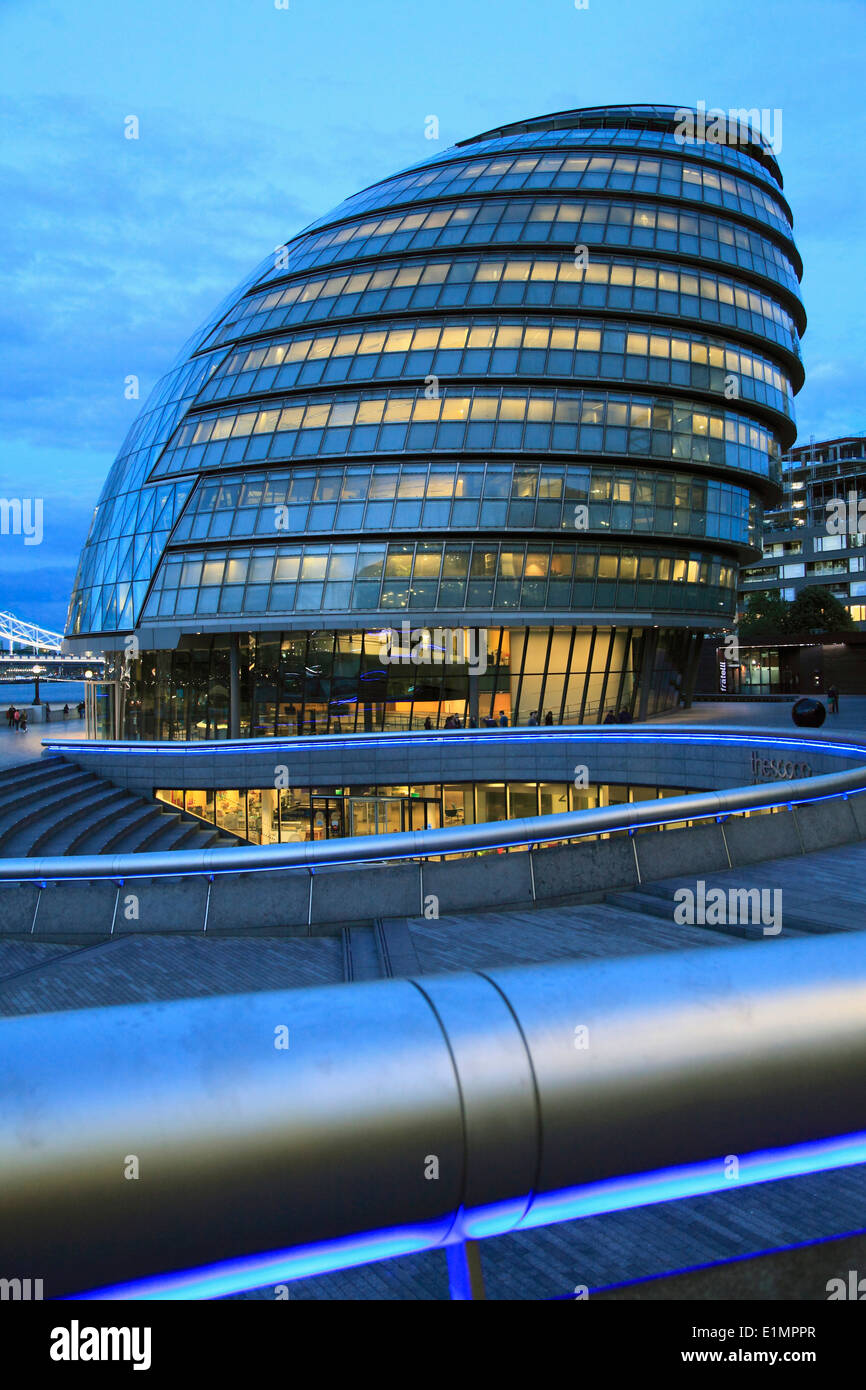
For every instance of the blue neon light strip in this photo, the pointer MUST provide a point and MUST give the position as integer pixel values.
(427, 737)
(781, 798)
(544, 1209)
(539, 839)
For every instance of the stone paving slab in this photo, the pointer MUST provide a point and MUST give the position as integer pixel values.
(142, 969)
(583, 932)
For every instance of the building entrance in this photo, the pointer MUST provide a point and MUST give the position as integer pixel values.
(384, 815)
(328, 818)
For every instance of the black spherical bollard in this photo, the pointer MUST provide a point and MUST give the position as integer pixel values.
(808, 713)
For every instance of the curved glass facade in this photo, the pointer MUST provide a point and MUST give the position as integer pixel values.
(560, 359)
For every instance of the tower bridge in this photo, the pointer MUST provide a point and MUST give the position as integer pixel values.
(39, 646)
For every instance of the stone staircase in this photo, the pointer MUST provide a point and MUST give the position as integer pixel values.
(53, 807)
(818, 894)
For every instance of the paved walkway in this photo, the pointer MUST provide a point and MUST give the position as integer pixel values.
(18, 748)
(771, 714)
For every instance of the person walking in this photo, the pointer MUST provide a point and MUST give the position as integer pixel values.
(16, 720)
(503, 720)
(47, 713)
(10, 715)
(833, 696)
(533, 719)
(65, 711)
(24, 721)
(428, 723)
(548, 719)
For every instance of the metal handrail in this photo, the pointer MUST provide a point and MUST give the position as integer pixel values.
(463, 839)
(257, 1159)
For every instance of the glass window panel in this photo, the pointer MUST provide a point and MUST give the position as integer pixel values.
(290, 418)
(313, 566)
(287, 567)
(236, 569)
(372, 342)
(342, 413)
(508, 336)
(316, 415)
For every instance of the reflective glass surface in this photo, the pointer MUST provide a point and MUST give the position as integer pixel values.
(313, 681)
(391, 421)
(576, 310)
(587, 348)
(528, 221)
(468, 496)
(514, 282)
(629, 173)
(437, 575)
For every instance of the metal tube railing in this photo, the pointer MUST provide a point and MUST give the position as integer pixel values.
(141, 1139)
(424, 844)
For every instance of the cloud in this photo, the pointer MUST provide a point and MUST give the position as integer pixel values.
(118, 248)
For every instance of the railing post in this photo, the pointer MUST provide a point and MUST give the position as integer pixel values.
(465, 1276)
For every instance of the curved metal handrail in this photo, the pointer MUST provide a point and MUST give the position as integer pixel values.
(423, 844)
(258, 1151)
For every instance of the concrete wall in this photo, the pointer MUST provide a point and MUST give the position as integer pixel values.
(297, 902)
(483, 755)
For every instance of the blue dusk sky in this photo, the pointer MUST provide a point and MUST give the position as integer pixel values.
(256, 117)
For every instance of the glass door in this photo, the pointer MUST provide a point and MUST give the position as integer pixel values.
(327, 818)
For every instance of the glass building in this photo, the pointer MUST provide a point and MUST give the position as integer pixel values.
(492, 438)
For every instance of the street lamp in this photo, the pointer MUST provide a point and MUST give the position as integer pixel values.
(37, 672)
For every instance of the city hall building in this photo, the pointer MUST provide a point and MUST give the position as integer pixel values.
(489, 440)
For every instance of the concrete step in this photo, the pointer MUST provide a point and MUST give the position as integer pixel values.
(34, 835)
(172, 832)
(51, 806)
(650, 902)
(118, 832)
(26, 774)
(27, 800)
(22, 823)
(101, 811)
